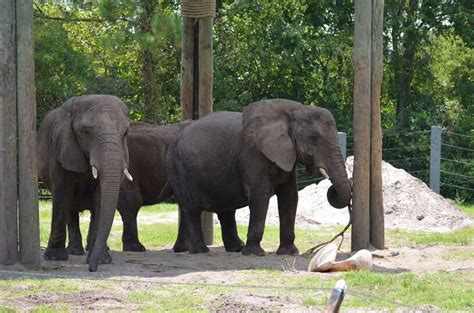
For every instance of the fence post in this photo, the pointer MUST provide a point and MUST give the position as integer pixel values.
(435, 158)
(343, 144)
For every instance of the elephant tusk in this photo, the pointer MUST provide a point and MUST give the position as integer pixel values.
(127, 174)
(325, 174)
(94, 172)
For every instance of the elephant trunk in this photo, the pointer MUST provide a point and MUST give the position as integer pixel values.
(340, 193)
(110, 176)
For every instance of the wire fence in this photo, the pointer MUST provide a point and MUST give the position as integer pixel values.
(412, 151)
(409, 151)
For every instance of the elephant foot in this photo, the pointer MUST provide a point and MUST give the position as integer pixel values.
(254, 249)
(287, 250)
(89, 247)
(55, 254)
(105, 258)
(75, 249)
(133, 246)
(234, 246)
(180, 247)
(199, 249)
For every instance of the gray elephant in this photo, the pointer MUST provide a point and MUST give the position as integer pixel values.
(83, 157)
(147, 146)
(228, 160)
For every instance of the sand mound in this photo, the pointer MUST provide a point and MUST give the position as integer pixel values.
(408, 204)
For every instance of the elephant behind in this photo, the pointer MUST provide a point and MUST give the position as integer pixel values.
(228, 160)
(147, 146)
(82, 159)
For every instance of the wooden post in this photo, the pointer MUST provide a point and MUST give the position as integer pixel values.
(368, 213)
(435, 158)
(187, 69)
(197, 82)
(205, 94)
(377, 224)
(342, 136)
(8, 151)
(26, 106)
(362, 123)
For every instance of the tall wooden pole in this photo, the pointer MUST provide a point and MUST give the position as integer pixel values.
(8, 151)
(197, 72)
(26, 106)
(362, 111)
(187, 68)
(377, 224)
(368, 218)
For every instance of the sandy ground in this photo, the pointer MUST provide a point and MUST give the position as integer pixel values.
(137, 271)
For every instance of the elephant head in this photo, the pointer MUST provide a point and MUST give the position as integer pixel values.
(89, 136)
(287, 132)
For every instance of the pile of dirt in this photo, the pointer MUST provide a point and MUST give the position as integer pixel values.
(408, 204)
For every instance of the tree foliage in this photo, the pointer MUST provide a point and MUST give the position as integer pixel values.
(297, 49)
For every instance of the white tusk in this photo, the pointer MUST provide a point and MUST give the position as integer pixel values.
(127, 174)
(94, 172)
(325, 174)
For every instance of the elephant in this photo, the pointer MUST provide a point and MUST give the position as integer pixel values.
(147, 146)
(228, 160)
(82, 159)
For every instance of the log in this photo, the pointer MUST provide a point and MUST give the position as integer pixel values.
(362, 110)
(377, 224)
(8, 151)
(26, 106)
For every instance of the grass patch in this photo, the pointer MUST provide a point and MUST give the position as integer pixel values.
(462, 236)
(159, 208)
(455, 254)
(451, 291)
(468, 208)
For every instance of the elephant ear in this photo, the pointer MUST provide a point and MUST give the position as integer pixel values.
(266, 125)
(65, 145)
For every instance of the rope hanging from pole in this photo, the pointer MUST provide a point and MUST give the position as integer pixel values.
(198, 8)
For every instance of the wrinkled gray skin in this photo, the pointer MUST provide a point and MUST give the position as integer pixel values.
(147, 146)
(85, 132)
(228, 160)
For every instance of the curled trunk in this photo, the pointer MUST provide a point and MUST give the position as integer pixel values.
(340, 193)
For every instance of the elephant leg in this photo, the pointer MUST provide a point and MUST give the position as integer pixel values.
(92, 233)
(74, 246)
(287, 196)
(130, 239)
(230, 237)
(105, 257)
(62, 197)
(258, 213)
(182, 241)
(193, 219)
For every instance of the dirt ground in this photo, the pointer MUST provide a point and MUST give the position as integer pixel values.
(218, 268)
